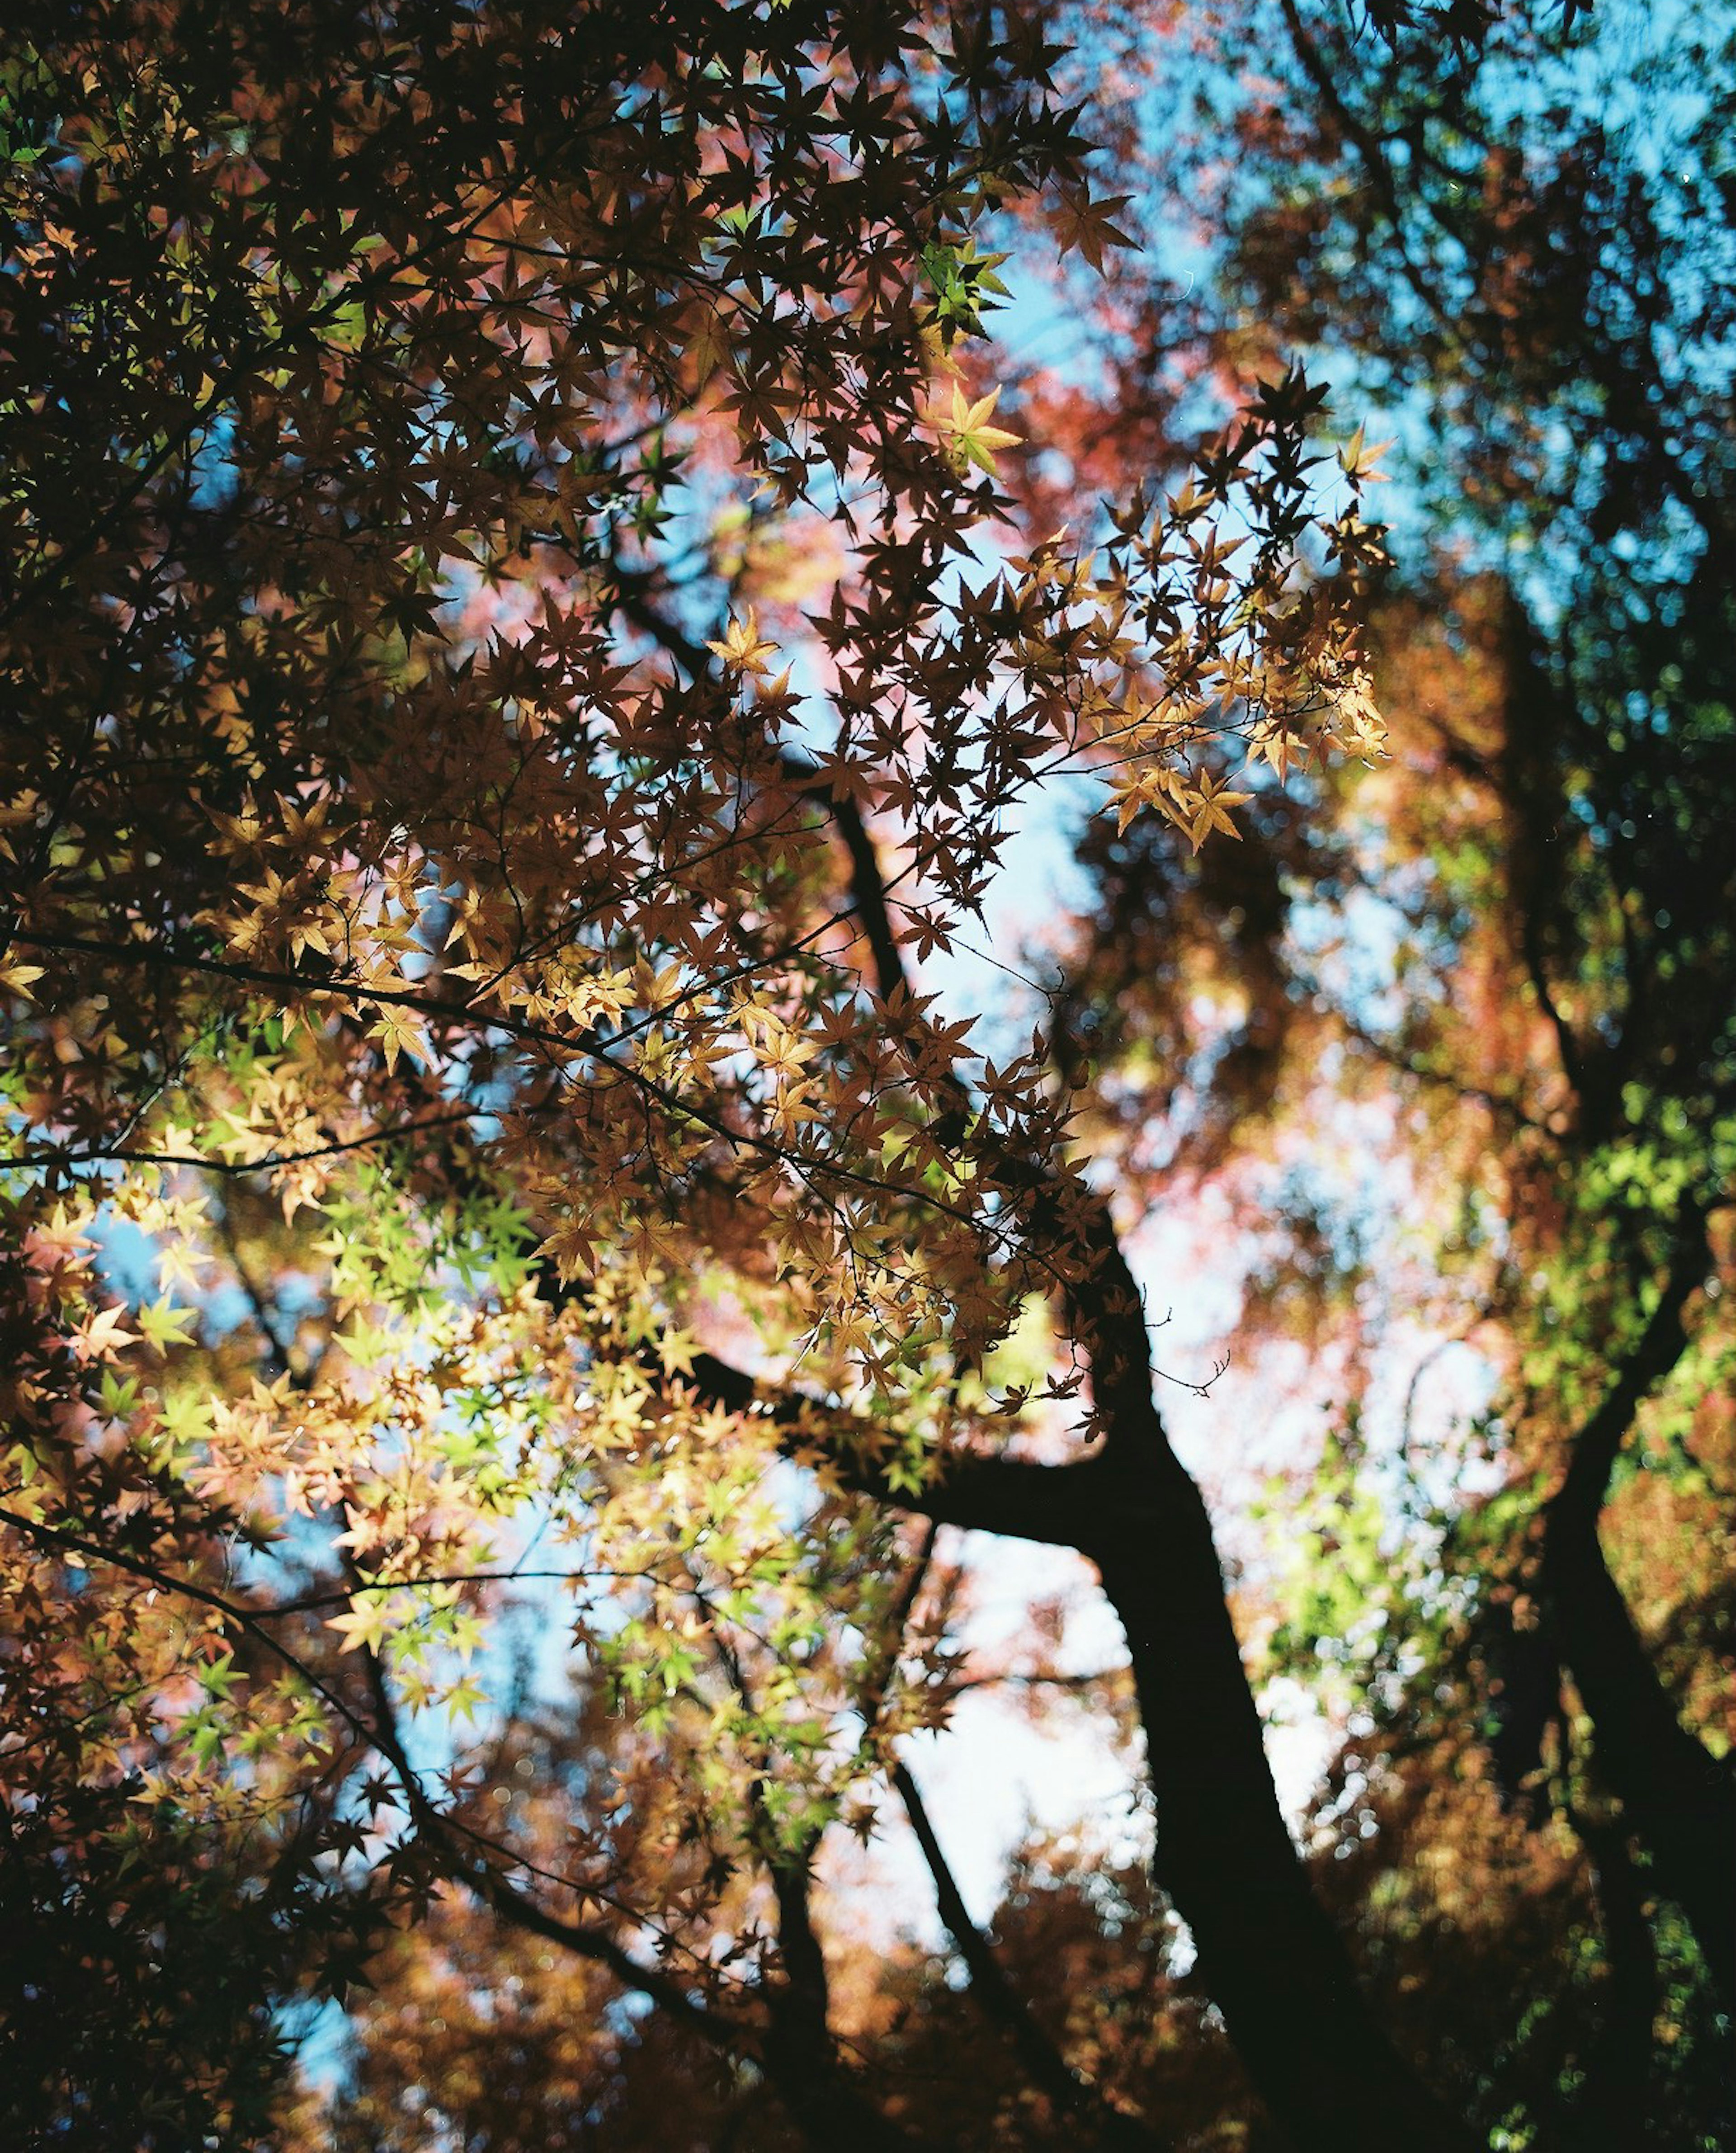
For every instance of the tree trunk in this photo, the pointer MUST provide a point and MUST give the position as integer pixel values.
(1268, 1957)
(1678, 1797)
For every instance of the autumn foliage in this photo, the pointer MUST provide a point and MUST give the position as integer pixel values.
(541, 619)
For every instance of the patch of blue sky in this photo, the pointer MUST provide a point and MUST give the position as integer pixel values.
(211, 465)
(125, 1255)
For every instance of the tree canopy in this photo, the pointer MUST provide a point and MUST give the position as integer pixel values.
(567, 567)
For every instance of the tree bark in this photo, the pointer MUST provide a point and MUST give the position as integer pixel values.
(1614, 2096)
(1679, 1799)
(1268, 1956)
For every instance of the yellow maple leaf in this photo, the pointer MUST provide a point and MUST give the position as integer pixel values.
(743, 648)
(972, 438)
(398, 1031)
(1211, 804)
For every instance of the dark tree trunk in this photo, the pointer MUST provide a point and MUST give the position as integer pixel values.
(1679, 1799)
(1614, 2097)
(1268, 1957)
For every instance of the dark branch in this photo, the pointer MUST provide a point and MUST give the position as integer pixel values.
(1071, 2090)
(1679, 1798)
(1010, 1496)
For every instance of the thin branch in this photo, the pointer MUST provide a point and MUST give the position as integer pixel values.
(312, 1602)
(1375, 163)
(125, 1155)
(380, 1733)
(490, 1883)
(1074, 2094)
(587, 1044)
(1575, 1505)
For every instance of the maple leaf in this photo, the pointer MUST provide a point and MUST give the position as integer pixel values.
(400, 1031)
(743, 649)
(465, 1698)
(1083, 223)
(1360, 460)
(966, 430)
(163, 1325)
(103, 1333)
(1207, 807)
(366, 1625)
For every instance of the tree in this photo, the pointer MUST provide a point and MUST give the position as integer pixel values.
(531, 632)
(1524, 255)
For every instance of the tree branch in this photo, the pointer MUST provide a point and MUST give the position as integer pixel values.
(1072, 2093)
(380, 1732)
(1012, 1497)
(1680, 1799)
(490, 1883)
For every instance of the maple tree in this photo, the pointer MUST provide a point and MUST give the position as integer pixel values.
(536, 608)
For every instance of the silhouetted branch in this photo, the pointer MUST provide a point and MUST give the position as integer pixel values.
(1680, 1799)
(1071, 2090)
